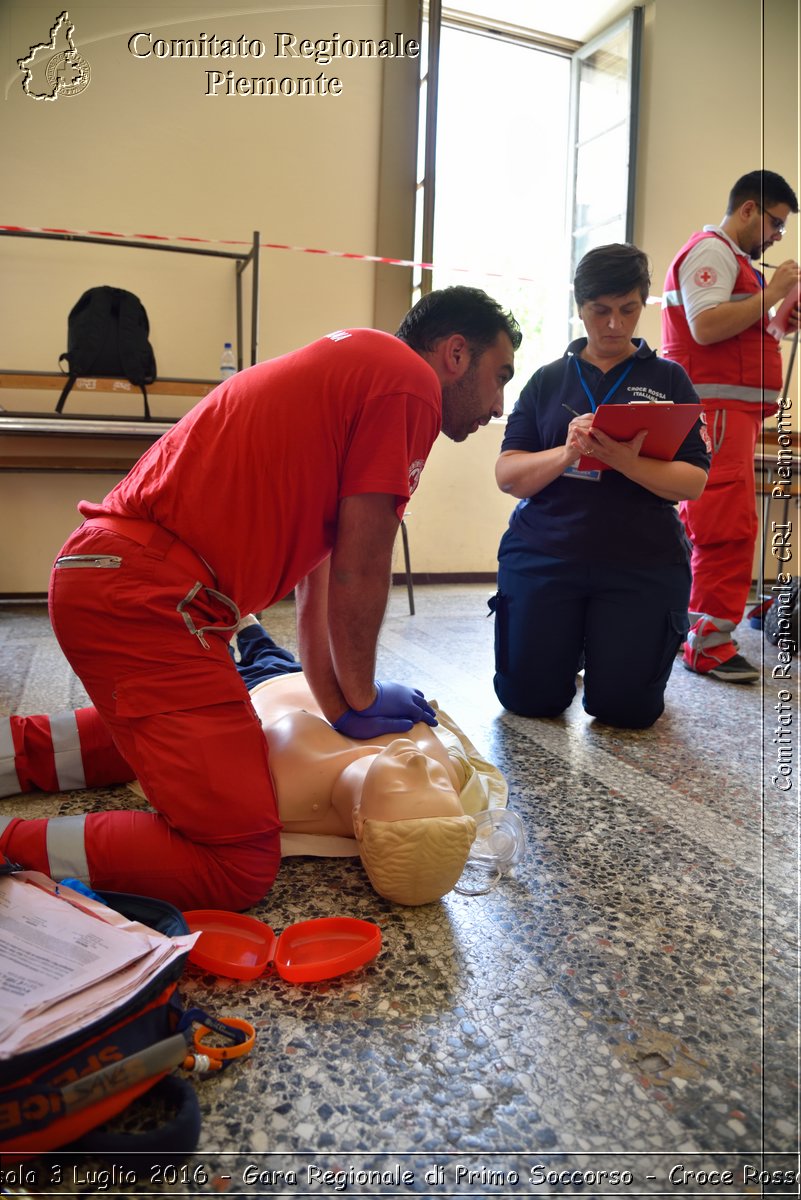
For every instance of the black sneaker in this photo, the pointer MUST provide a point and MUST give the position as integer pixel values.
(735, 670)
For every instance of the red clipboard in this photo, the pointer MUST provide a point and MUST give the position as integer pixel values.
(668, 425)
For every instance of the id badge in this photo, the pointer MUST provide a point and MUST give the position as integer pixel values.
(573, 472)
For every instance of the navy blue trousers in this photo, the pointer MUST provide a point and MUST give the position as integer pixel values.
(623, 623)
(261, 657)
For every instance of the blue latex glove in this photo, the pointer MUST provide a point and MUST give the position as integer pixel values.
(395, 709)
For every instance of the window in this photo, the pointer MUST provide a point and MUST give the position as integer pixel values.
(603, 141)
(496, 177)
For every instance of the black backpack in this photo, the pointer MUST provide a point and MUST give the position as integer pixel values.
(107, 335)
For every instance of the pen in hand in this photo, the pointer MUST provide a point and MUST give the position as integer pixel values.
(571, 410)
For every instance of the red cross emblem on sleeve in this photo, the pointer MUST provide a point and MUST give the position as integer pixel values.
(705, 277)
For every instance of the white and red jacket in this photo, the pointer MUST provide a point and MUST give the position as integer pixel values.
(740, 372)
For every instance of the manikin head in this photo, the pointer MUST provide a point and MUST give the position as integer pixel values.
(413, 835)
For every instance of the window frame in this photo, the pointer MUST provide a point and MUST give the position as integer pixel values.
(433, 16)
(633, 22)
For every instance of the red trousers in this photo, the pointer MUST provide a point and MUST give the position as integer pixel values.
(180, 717)
(58, 753)
(722, 523)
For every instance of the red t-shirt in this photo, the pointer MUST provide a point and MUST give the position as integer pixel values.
(252, 477)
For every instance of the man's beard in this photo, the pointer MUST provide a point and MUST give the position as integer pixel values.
(458, 402)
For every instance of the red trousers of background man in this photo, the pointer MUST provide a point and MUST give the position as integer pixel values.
(722, 522)
(181, 718)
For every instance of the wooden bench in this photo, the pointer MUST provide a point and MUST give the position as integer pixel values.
(55, 380)
(80, 442)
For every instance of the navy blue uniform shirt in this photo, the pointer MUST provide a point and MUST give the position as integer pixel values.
(613, 519)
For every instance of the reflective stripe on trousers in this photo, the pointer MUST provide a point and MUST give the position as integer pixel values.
(717, 430)
(734, 391)
(707, 633)
(47, 752)
(9, 779)
(67, 751)
(66, 848)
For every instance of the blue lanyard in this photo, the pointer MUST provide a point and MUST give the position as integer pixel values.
(612, 390)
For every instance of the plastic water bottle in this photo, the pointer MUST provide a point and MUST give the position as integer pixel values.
(227, 362)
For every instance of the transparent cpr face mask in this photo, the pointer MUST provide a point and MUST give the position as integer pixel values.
(500, 844)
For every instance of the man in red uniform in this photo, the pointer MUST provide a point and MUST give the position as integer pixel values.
(714, 323)
(294, 473)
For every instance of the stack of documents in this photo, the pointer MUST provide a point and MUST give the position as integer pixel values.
(66, 960)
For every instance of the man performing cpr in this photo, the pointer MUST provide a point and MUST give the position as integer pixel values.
(404, 803)
(292, 474)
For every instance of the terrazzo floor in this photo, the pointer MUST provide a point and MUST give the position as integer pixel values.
(625, 1001)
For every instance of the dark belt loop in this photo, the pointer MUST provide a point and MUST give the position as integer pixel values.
(160, 542)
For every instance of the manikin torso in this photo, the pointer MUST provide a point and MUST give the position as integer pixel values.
(326, 783)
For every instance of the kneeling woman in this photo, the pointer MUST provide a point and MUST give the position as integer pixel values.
(594, 567)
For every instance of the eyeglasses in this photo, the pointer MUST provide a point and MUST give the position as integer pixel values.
(777, 224)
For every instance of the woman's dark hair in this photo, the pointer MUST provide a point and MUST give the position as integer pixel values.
(465, 310)
(612, 271)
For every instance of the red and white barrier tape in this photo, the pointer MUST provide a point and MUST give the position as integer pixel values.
(199, 241)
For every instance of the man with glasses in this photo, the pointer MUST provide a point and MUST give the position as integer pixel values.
(715, 309)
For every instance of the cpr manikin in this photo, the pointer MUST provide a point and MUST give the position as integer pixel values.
(398, 796)
(403, 802)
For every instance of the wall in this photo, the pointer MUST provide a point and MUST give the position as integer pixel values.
(143, 150)
(717, 101)
(717, 114)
